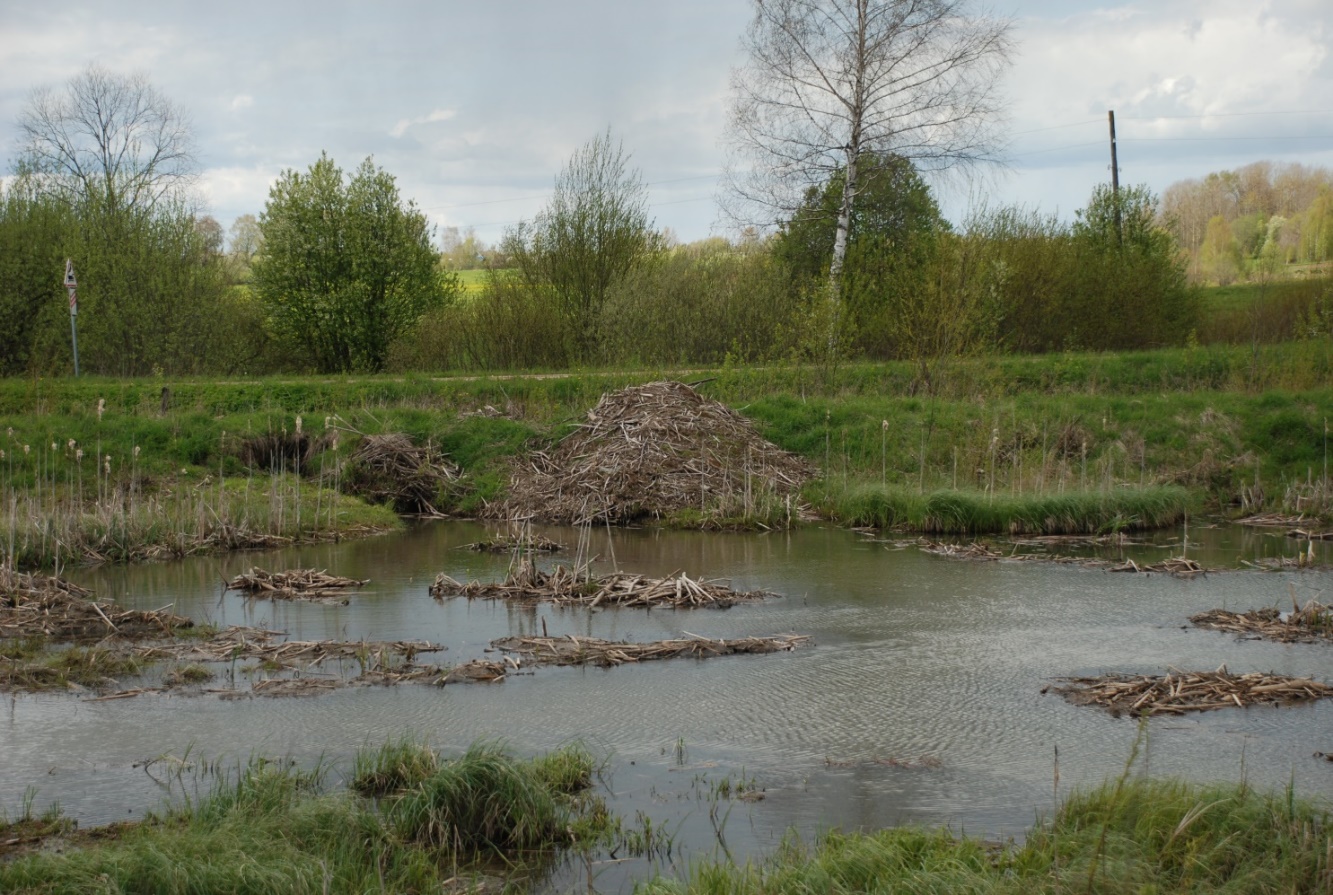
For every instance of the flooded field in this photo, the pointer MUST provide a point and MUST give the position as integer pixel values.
(917, 699)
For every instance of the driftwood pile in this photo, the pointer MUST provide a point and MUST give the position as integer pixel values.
(1179, 692)
(650, 451)
(391, 469)
(1310, 623)
(55, 609)
(572, 650)
(567, 586)
(295, 584)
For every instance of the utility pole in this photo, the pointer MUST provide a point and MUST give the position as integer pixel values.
(1115, 179)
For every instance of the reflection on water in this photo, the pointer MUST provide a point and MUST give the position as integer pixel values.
(919, 699)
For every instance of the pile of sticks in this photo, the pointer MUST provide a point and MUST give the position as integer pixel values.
(56, 609)
(568, 586)
(294, 584)
(649, 451)
(391, 469)
(1310, 623)
(1179, 692)
(1272, 519)
(572, 650)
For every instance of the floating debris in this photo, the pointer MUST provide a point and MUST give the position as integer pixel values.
(255, 643)
(478, 671)
(55, 609)
(566, 586)
(573, 650)
(974, 550)
(1179, 566)
(314, 585)
(1179, 692)
(650, 451)
(1304, 535)
(515, 543)
(1276, 520)
(1310, 623)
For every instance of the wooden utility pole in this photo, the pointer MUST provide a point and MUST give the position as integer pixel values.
(1115, 178)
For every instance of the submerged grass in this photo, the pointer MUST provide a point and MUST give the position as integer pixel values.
(273, 828)
(1130, 837)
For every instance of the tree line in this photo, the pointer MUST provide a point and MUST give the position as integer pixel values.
(835, 133)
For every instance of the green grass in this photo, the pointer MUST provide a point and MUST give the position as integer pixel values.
(1242, 428)
(977, 512)
(473, 281)
(276, 828)
(1135, 837)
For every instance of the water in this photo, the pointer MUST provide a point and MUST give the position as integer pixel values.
(918, 700)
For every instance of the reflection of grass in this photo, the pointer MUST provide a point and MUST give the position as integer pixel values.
(1131, 837)
(274, 828)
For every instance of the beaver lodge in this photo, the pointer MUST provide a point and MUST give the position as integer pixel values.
(1310, 623)
(1179, 692)
(568, 586)
(652, 451)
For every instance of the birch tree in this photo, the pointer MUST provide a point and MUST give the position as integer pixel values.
(828, 81)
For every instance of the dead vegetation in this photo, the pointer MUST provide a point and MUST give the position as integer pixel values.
(1179, 692)
(1178, 566)
(314, 585)
(652, 451)
(572, 650)
(51, 608)
(1311, 623)
(567, 586)
(392, 469)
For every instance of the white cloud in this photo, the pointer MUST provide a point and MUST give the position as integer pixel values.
(438, 115)
(242, 101)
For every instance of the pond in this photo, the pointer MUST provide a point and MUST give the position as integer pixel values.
(919, 698)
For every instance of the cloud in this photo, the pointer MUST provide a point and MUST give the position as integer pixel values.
(438, 115)
(242, 101)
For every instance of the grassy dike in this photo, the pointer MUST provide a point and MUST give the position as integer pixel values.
(1058, 443)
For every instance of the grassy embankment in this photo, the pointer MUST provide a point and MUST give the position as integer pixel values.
(412, 822)
(1069, 442)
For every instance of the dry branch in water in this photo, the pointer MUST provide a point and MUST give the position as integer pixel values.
(572, 650)
(294, 584)
(1310, 623)
(566, 586)
(53, 608)
(652, 450)
(1179, 692)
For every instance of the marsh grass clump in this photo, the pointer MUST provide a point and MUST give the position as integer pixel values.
(397, 765)
(486, 800)
(188, 675)
(1128, 836)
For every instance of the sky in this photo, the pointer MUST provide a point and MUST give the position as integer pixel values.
(475, 107)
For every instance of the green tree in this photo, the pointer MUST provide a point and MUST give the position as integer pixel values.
(593, 233)
(1220, 255)
(346, 267)
(891, 246)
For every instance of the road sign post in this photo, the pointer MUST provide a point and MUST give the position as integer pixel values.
(71, 284)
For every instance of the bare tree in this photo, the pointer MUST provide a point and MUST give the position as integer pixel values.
(107, 138)
(829, 80)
